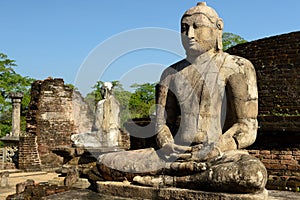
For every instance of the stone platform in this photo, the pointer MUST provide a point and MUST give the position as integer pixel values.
(128, 190)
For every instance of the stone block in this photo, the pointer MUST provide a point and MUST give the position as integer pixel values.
(82, 183)
(293, 167)
(265, 152)
(140, 192)
(289, 162)
(286, 157)
(4, 179)
(20, 187)
(296, 153)
(57, 181)
(275, 166)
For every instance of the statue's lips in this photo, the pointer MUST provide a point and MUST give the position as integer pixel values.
(192, 42)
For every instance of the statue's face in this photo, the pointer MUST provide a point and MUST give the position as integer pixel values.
(199, 34)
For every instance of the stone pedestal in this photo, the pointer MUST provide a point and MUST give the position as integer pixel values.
(140, 192)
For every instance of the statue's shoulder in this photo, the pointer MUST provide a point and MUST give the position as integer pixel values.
(180, 65)
(236, 62)
(176, 67)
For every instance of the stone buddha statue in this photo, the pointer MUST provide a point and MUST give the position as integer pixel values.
(196, 150)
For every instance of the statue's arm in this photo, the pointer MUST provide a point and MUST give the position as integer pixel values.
(242, 97)
(166, 105)
(164, 135)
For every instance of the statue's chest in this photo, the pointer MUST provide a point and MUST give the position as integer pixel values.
(186, 81)
(197, 83)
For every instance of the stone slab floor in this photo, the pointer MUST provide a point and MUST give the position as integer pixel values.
(83, 194)
(18, 177)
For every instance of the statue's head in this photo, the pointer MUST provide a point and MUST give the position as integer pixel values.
(201, 30)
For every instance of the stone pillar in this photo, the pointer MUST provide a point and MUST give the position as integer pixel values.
(16, 99)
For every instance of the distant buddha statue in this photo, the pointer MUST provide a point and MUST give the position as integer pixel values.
(195, 151)
(106, 131)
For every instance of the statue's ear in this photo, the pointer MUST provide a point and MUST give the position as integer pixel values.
(220, 26)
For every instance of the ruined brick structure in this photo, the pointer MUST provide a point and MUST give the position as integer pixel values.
(55, 112)
(50, 123)
(277, 63)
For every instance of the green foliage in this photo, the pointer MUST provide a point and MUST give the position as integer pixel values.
(230, 40)
(10, 81)
(95, 96)
(142, 101)
(123, 98)
(71, 86)
(137, 104)
(97, 91)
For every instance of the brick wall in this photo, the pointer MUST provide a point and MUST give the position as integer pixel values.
(29, 158)
(50, 123)
(277, 63)
(55, 112)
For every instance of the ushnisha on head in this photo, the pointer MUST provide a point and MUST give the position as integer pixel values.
(201, 30)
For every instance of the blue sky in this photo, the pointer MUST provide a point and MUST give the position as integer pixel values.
(55, 37)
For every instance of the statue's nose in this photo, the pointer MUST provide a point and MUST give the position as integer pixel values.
(191, 32)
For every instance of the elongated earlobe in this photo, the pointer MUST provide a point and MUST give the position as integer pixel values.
(220, 26)
(219, 41)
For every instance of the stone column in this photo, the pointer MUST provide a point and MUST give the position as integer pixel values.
(16, 99)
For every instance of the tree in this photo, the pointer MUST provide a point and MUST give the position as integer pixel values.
(230, 40)
(120, 94)
(142, 101)
(123, 98)
(10, 81)
(95, 96)
(139, 104)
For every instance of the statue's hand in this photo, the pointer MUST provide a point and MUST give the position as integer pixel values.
(206, 153)
(172, 150)
(188, 154)
(197, 147)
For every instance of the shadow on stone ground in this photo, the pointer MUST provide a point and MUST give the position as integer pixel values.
(82, 194)
(85, 194)
(283, 195)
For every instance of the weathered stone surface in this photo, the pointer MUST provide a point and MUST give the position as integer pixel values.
(55, 113)
(38, 191)
(106, 130)
(49, 124)
(133, 191)
(29, 158)
(194, 89)
(277, 65)
(82, 194)
(20, 187)
(72, 177)
(16, 99)
(82, 114)
(87, 194)
(276, 60)
(190, 135)
(4, 178)
(234, 172)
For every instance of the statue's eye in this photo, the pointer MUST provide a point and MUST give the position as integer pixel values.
(184, 27)
(197, 25)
